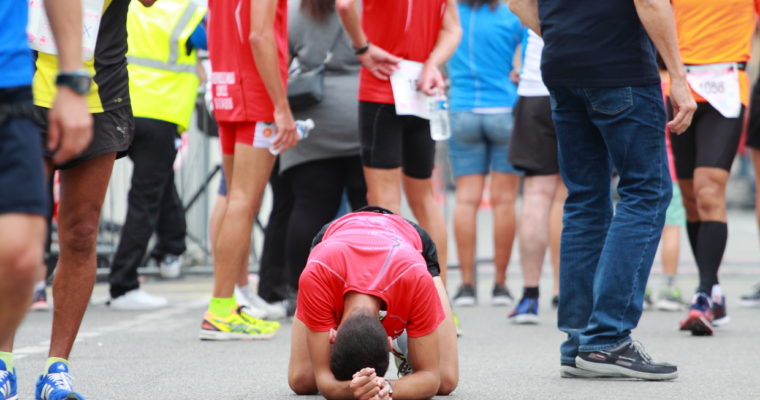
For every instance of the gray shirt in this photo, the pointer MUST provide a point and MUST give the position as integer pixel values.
(336, 132)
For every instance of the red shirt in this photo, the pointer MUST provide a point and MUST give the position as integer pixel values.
(375, 254)
(405, 28)
(237, 89)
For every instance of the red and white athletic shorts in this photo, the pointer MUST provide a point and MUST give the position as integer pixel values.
(256, 134)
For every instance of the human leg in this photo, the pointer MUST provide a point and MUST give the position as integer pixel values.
(538, 197)
(469, 191)
(317, 191)
(555, 234)
(585, 169)
(153, 153)
(418, 159)
(273, 284)
(631, 121)
(83, 190)
(381, 146)
(504, 187)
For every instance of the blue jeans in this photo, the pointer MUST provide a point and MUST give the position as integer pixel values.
(605, 259)
(480, 143)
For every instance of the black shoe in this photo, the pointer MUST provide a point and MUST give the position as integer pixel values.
(629, 360)
(500, 296)
(465, 296)
(555, 301)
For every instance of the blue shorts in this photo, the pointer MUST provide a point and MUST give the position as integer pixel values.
(480, 143)
(23, 188)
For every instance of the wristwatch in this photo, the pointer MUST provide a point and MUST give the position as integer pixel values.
(390, 388)
(79, 81)
(362, 50)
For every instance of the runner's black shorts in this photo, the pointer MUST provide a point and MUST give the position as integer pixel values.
(23, 188)
(533, 147)
(753, 131)
(391, 141)
(112, 132)
(710, 141)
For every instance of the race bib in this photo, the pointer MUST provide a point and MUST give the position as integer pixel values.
(409, 101)
(41, 36)
(719, 85)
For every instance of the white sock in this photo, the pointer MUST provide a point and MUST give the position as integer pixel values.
(717, 293)
(39, 286)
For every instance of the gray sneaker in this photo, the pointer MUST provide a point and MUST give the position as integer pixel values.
(465, 296)
(501, 296)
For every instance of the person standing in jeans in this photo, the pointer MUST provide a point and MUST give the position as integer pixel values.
(599, 65)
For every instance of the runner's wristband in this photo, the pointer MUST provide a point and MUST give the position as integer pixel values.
(362, 50)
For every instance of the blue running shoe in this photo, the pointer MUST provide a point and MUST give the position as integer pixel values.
(56, 384)
(526, 312)
(7, 383)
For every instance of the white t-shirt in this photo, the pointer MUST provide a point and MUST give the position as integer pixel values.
(531, 84)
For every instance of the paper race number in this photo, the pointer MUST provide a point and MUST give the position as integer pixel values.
(409, 101)
(41, 36)
(719, 85)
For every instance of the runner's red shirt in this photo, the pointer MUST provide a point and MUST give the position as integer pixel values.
(375, 254)
(238, 91)
(405, 28)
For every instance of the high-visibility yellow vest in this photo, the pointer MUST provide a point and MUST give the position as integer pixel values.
(163, 83)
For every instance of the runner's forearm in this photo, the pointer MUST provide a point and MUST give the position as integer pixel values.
(448, 37)
(264, 49)
(66, 23)
(417, 385)
(657, 18)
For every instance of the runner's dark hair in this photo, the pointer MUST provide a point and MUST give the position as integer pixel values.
(361, 342)
(318, 9)
(477, 3)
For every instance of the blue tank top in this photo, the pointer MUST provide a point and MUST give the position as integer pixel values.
(16, 64)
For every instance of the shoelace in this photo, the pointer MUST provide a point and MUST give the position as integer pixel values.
(639, 348)
(62, 380)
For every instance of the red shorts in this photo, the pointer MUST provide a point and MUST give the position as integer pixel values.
(256, 134)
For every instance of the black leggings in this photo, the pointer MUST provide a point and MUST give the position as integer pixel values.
(317, 189)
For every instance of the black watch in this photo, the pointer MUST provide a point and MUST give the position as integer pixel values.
(362, 50)
(78, 81)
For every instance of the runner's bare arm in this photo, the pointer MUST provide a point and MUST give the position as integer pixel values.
(657, 18)
(69, 121)
(430, 80)
(527, 11)
(265, 55)
(377, 61)
(423, 383)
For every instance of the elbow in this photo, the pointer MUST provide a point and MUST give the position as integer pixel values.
(258, 39)
(513, 6)
(343, 6)
(147, 3)
(457, 33)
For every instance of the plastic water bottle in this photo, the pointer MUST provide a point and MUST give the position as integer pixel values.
(303, 127)
(439, 118)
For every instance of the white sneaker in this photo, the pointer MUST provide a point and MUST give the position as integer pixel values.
(137, 300)
(170, 266)
(273, 310)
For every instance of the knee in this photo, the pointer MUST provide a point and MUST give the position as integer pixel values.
(302, 382)
(81, 234)
(19, 260)
(503, 197)
(709, 199)
(241, 207)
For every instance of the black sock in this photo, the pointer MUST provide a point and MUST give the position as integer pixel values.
(531, 292)
(710, 248)
(692, 229)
